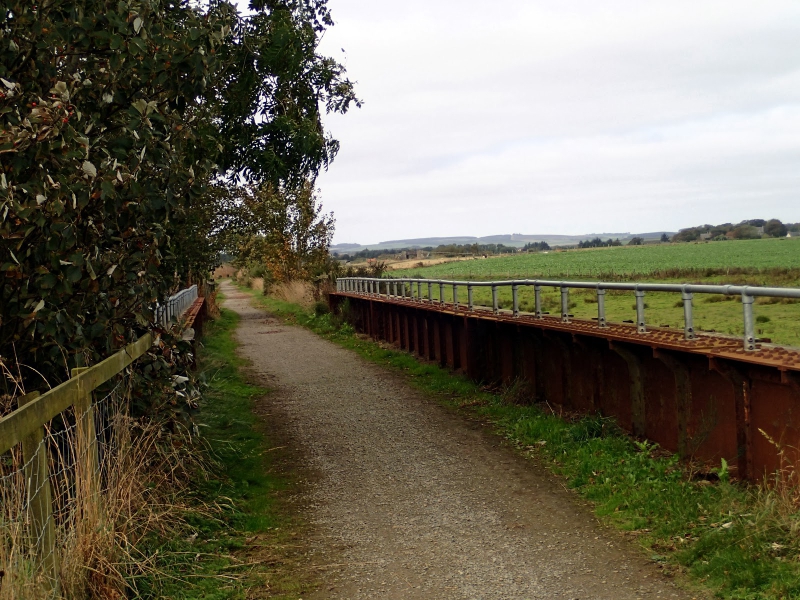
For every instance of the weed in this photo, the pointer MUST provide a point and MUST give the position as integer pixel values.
(321, 308)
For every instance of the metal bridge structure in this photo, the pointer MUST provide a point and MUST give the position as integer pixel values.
(704, 396)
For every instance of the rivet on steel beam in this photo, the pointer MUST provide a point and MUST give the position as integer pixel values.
(688, 319)
(601, 308)
(537, 301)
(564, 304)
(749, 322)
(640, 325)
(495, 308)
(515, 296)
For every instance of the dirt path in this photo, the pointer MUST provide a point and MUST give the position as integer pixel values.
(409, 501)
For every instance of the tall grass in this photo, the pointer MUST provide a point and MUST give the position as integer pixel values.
(99, 521)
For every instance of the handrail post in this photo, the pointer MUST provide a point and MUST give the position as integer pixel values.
(470, 303)
(601, 308)
(688, 319)
(537, 301)
(40, 500)
(455, 296)
(564, 304)
(495, 308)
(749, 322)
(403, 290)
(640, 324)
(419, 291)
(394, 289)
(430, 293)
(515, 296)
(441, 293)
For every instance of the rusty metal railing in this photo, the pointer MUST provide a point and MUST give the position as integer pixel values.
(404, 288)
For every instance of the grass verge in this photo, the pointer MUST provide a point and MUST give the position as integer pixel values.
(239, 538)
(739, 541)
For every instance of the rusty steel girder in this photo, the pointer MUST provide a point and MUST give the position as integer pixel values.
(705, 398)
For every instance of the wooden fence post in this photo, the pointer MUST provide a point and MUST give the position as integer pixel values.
(86, 443)
(40, 500)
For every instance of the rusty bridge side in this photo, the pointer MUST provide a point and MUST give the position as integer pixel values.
(705, 398)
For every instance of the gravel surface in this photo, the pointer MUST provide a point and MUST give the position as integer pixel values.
(409, 501)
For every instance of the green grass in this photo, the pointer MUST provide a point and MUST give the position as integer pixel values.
(236, 548)
(739, 541)
(714, 258)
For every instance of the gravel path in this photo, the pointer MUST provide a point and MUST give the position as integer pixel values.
(409, 501)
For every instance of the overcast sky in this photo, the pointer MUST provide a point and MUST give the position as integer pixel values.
(484, 118)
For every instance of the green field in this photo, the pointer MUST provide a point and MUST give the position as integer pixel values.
(752, 262)
(657, 260)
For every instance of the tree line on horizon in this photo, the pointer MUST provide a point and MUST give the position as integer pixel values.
(745, 230)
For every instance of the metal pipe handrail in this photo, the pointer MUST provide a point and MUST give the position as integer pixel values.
(372, 286)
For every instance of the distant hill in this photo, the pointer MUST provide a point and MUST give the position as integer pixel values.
(513, 239)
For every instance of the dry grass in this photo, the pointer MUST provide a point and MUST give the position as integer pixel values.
(224, 272)
(301, 293)
(101, 520)
(428, 262)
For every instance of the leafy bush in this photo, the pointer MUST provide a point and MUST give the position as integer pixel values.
(115, 121)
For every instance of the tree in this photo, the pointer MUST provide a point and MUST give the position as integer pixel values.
(288, 232)
(774, 228)
(745, 232)
(664, 238)
(115, 120)
(636, 241)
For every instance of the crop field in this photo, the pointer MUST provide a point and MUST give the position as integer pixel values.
(630, 262)
(756, 262)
